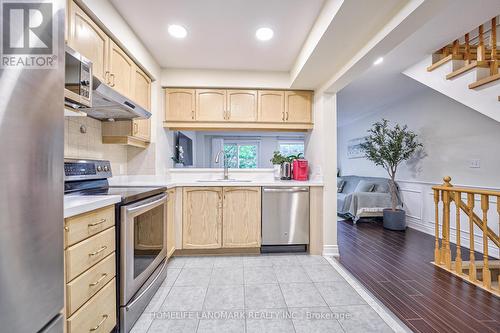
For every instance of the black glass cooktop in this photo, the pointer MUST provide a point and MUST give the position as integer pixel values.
(100, 187)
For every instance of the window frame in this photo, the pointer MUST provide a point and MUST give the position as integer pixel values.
(239, 143)
(292, 142)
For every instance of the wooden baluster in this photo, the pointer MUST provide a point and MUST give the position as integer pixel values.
(458, 257)
(446, 229)
(481, 52)
(437, 257)
(467, 49)
(486, 270)
(456, 48)
(498, 211)
(470, 212)
(493, 44)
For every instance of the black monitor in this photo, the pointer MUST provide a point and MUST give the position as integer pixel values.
(186, 143)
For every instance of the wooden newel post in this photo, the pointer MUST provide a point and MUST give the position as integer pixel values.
(486, 270)
(437, 256)
(470, 212)
(445, 248)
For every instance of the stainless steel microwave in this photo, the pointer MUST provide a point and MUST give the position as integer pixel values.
(78, 80)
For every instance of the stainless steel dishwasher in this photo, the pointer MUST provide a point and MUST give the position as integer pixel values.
(285, 218)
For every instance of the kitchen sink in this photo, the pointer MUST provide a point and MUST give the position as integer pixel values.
(224, 181)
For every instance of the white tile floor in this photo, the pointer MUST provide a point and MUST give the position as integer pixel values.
(268, 293)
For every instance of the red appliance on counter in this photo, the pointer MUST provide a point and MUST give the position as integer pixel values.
(300, 169)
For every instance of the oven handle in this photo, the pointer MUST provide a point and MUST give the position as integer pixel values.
(147, 288)
(157, 200)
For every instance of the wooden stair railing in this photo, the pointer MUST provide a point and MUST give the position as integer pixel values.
(484, 273)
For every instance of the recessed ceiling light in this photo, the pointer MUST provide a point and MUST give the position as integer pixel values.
(177, 31)
(264, 34)
(378, 61)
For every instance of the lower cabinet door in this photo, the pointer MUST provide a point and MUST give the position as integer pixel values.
(242, 217)
(202, 218)
(170, 222)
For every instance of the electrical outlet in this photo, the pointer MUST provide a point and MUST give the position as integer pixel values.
(474, 164)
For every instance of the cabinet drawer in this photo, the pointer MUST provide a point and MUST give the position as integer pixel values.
(98, 314)
(86, 254)
(85, 225)
(89, 283)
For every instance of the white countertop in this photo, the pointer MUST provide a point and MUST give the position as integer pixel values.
(163, 181)
(74, 205)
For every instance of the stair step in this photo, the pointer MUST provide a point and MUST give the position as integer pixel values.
(466, 68)
(484, 81)
(443, 61)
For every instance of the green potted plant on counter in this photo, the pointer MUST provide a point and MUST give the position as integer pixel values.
(388, 147)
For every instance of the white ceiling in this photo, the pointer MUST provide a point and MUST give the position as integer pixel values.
(221, 33)
(384, 85)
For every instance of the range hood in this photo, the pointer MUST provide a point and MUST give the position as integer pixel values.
(108, 104)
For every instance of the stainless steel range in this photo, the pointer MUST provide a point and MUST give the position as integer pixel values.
(141, 234)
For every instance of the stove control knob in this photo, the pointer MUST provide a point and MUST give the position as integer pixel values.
(99, 168)
(106, 168)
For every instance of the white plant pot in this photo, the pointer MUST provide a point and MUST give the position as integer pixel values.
(277, 168)
(179, 165)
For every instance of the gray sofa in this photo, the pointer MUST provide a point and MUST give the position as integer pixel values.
(363, 196)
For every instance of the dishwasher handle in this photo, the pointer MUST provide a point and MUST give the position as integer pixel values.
(286, 189)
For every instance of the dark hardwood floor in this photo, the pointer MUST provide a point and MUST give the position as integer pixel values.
(395, 267)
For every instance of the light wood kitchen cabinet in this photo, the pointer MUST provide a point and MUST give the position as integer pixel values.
(231, 109)
(241, 105)
(271, 106)
(170, 222)
(241, 217)
(124, 132)
(87, 38)
(202, 218)
(121, 69)
(141, 91)
(298, 106)
(210, 105)
(180, 104)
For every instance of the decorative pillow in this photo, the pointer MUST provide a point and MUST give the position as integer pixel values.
(340, 185)
(364, 186)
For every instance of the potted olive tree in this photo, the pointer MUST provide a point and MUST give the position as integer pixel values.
(388, 147)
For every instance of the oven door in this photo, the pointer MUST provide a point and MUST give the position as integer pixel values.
(143, 242)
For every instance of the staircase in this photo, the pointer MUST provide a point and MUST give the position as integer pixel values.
(466, 70)
(467, 218)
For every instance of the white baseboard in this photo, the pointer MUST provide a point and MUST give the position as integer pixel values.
(331, 250)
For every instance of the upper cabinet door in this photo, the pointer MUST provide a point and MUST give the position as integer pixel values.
(88, 39)
(121, 69)
(180, 104)
(211, 105)
(142, 88)
(271, 106)
(241, 105)
(298, 106)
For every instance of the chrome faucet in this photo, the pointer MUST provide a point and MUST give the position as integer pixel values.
(226, 169)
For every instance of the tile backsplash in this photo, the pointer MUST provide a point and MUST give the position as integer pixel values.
(89, 144)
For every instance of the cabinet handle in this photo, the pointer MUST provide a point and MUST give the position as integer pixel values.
(287, 116)
(192, 114)
(283, 116)
(136, 128)
(106, 77)
(98, 251)
(112, 84)
(97, 223)
(103, 276)
(228, 114)
(104, 317)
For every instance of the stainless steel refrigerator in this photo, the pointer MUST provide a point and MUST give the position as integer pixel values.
(31, 167)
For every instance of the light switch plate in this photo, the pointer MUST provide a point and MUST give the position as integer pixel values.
(474, 164)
